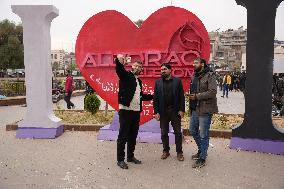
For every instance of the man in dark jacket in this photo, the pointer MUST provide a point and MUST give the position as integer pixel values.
(130, 97)
(169, 106)
(280, 91)
(243, 81)
(203, 104)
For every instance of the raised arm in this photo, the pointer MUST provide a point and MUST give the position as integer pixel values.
(120, 70)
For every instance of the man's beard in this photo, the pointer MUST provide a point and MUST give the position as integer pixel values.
(198, 69)
(165, 75)
(135, 72)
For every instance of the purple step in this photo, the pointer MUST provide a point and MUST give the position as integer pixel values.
(265, 146)
(148, 133)
(39, 133)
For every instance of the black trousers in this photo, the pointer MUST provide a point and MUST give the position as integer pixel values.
(175, 119)
(68, 101)
(128, 131)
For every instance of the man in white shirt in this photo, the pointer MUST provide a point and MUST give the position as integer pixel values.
(130, 97)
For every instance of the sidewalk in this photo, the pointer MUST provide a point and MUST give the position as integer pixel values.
(78, 160)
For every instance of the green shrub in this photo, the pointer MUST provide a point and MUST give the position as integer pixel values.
(92, 103)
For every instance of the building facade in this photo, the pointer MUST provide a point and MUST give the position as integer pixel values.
(58, 59)
(278, 59)
(227, 48)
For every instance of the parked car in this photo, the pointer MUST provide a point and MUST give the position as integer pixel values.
(16, 73)
(57, 92)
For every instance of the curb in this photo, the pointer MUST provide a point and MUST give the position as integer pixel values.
(213, 133)
(94, 127)
(12, 101)
(66, 127)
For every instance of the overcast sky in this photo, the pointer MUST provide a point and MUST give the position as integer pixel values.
(214, 14)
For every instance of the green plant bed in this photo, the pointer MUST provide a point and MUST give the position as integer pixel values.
(228, 121)
(219, 121)
(84, 117)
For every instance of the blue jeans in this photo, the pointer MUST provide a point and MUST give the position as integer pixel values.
(199, 128)
(225, 90)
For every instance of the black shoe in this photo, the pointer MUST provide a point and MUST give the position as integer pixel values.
(222, 96)
(199, 163)
(122, 165)
(195, 156)
(134, 160)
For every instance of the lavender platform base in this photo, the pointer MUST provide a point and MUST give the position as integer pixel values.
(39, 133)
(266, 146)
(148, 133)
(147, 137)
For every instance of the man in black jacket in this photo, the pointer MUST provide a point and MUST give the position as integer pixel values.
(169, 106)
(130, 97)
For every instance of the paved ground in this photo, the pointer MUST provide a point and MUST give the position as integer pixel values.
(76, 160)
(235, 104)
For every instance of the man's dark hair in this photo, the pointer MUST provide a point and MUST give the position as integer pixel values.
(201, 60)
(139, 62)
(69, 72)
(167, 65)
(281, 75)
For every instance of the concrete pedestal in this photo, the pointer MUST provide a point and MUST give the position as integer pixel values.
(39, 121)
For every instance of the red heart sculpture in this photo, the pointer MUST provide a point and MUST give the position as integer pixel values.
(170, 34)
